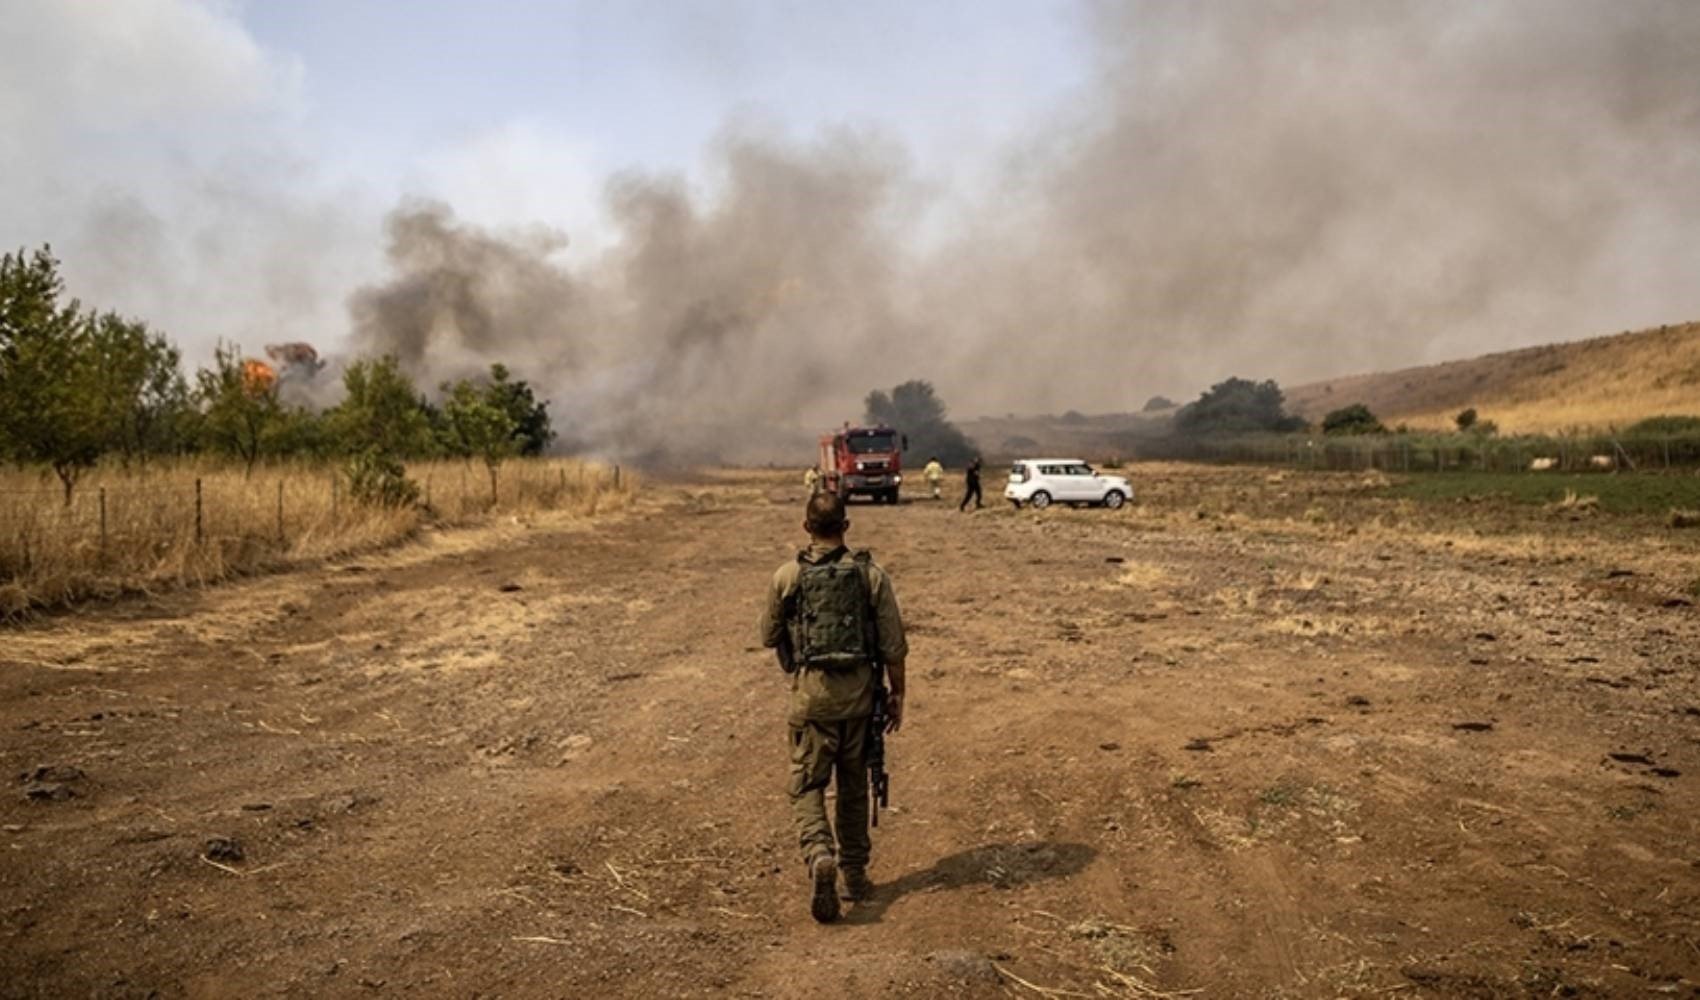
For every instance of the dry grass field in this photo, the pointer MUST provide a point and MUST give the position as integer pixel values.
(1282, 735)
(189, 523)
(1590, 384)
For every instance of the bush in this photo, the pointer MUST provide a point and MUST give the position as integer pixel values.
(1156, 403)
(1680, 518)
(1465, 419)
(377, 480)
(1354, 419)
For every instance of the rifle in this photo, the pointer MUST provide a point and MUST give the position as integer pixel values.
(879, 782)
(786, 650)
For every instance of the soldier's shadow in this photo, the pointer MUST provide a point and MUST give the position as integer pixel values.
(1003, 866)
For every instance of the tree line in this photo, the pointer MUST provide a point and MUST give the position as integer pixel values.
(915, 409)
(79, 385)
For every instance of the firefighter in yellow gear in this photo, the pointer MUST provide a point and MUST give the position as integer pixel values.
(935, 475)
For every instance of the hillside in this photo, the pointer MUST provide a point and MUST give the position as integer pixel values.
(1586, 384)
(1595, 383)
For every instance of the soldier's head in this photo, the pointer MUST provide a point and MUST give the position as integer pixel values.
(824, 518)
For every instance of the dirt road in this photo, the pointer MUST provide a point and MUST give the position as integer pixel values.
(1252, 737)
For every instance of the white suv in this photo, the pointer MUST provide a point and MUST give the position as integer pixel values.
(1043, 481)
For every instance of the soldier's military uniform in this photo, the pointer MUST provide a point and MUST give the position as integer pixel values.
(829, 717)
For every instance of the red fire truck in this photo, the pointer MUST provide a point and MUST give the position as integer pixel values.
(863, 460)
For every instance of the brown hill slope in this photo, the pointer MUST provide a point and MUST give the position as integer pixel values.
(1596, 383)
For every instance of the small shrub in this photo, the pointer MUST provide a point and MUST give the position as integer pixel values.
(1681, 518)
(1576, 503)
(380, 481)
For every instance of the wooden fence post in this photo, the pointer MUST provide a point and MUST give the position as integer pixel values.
(280, 513)
(103, 524)
(616, 477)
(200, 527)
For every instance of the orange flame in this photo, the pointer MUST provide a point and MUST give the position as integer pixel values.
(258, 377)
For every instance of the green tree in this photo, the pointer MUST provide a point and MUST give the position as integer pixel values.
(1156, 403)
(479, 426)
(530, 416)
(1238, 406)
(915, 410)
(238, 412)
(381, 412)
(51, 407)
(1354, 419)
(381, 420)
(1465, 419)
(300, 431)
(142, 386)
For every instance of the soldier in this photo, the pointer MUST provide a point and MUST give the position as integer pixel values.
(832, 616)
(811, 479)
(935, 475)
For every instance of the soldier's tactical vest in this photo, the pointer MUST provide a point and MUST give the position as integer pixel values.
(832, 619)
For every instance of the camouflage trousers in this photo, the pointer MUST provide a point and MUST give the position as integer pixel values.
(818, 749)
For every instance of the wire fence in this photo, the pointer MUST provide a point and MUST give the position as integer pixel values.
(1418, 453)
(195, 523)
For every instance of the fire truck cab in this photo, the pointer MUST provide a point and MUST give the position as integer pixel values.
(866, 461)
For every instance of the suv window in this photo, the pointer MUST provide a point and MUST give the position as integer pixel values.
(1053, 470)
(1018, 473)
(1080, 470)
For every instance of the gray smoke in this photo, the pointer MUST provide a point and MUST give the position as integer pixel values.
(708, 323)
(1271, 189)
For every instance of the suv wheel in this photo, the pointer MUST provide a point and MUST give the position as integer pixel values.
(1040, 500)
(1114, 499)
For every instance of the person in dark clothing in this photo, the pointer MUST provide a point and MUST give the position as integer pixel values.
(973, 490)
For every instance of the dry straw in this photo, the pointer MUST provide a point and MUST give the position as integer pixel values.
(188, 523)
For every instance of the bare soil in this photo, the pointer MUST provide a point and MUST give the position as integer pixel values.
(1253, 736)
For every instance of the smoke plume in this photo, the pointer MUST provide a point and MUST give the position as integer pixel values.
(1270, 189)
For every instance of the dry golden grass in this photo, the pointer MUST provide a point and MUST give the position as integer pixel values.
(135, 530)
(1585, 385)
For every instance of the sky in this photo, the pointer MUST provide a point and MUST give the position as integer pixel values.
(742, 211)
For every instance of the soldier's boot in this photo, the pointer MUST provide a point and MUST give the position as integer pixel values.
(857, 885)
(824, 871)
